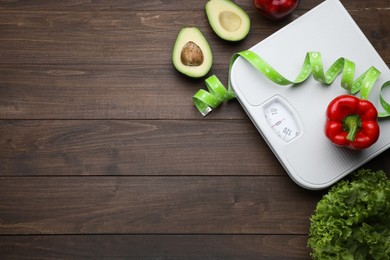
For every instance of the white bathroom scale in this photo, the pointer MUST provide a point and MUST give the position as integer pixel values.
(295, 133)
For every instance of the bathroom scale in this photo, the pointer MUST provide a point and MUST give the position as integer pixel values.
(291, 119)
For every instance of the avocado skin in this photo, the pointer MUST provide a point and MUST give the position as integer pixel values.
(228, 20)
(188, 37)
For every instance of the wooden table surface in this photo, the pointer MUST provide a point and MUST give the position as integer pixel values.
(103, 155)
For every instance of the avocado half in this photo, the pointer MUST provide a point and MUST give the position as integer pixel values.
(192, 54)
(227, 19)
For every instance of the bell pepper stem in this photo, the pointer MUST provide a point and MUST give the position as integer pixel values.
(352, 124)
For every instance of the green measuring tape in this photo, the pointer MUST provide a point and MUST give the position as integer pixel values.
(206, 101)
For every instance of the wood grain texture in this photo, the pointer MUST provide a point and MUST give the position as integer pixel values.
(118, 147)
(150, 205)
(107, 37)
(100, 147)
(148, 147)
(150, 5)
(132, 37)
(51, 61)
(155, 247)
(103, 92)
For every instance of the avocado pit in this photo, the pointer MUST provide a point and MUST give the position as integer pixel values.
(230, 21)
(191, 54)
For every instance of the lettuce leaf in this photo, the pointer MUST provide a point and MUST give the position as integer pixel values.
(352, 221)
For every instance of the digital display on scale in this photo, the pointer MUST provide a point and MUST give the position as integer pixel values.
(281, 119)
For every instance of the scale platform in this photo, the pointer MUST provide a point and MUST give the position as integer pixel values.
(296, 132)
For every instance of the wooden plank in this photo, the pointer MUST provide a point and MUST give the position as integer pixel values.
(142, 147)
(154, 205)
(103, 92)
(137, 37)
(100, 147)
(107, 37)
(157, 246)
(157, 5)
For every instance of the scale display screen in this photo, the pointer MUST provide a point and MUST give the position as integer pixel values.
(281, 119)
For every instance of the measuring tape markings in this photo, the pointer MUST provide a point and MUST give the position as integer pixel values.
(206, 101)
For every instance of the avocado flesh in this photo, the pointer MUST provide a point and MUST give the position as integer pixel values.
(227, 19)
(192, 54)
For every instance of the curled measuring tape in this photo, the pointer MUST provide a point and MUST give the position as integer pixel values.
(206, 101)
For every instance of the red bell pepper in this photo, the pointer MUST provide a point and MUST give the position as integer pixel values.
(352, 122)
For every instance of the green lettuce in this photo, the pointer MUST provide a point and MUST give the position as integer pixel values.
(352, 221)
